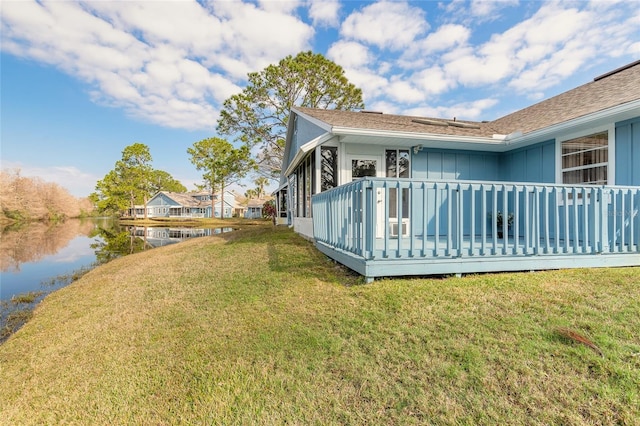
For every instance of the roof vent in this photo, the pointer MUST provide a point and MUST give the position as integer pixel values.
(429, 122)
(617, 70)
(463, 125)
(370, 112)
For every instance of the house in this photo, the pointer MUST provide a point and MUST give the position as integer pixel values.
(254, 208)
(553, 185)
(187, 205)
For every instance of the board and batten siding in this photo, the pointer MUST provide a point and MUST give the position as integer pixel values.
(627, 153)
(455, 165)
(535, 163)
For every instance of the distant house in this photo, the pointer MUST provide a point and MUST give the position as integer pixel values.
(554, 185)
(254, 208)
(187, 205)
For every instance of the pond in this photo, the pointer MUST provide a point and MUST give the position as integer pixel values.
(37, 258)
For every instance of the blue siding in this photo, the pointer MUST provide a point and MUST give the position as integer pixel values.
(432, 164)
(535, 163)
(628, 152)
(435, 164)
(161, 200)
(304, 132)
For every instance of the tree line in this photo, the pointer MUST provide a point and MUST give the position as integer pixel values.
(256, 119)
(30, 198)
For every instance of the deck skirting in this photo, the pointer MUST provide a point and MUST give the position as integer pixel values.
(422, 266)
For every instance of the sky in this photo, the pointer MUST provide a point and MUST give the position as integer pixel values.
(80, 81)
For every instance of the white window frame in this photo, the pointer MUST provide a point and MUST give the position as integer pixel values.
(610, 129)
(611, 172)
(318, 169)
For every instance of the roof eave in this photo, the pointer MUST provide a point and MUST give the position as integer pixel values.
(349, 131)
(322, 124)
(616, 114)
(304, 149)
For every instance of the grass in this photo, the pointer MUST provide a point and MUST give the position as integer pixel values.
(257, 327)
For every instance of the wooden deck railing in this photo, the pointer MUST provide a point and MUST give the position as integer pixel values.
(406, 218)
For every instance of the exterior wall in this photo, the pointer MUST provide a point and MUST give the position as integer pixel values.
(431, 164)
(535, 163)
(304, 132)
(455, 165)
(303, 226)
(159, 206)
(228, 209)
(627, 152)
(253, 213)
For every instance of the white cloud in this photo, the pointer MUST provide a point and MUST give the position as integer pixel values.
(463, 111)
(385, 24)
(350, 54)
(445, 38)
(170, 63)
(488, 9)
(433, 81)
(174, 63)
(371, 83)
(541, 51)
(404, 92)
(324, 12)
(281, 6)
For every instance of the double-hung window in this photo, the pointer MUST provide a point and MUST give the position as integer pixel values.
(585, 160)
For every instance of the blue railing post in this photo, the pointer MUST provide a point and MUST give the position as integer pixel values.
(369, 219)
(605, 219)
(548, 219)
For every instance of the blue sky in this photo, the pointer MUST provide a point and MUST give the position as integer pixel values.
(80, 81)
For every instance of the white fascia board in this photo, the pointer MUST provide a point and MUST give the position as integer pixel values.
(304, 149)
(412, 135)
(614, 114)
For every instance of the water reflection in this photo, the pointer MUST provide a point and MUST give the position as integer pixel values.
(37, 259)
(34, 241)
(158, 237)
(37, 253)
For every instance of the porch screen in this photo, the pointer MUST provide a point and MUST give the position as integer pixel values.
(585, 159)
(328, 168)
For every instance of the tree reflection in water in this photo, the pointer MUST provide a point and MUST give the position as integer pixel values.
(37, 243)
(116, 242)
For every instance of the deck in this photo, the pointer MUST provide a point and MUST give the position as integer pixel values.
(392, 227)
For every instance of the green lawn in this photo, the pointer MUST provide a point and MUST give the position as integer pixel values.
(257, 327)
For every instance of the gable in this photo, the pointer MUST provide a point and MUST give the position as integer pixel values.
(303, 131)
(162, 199)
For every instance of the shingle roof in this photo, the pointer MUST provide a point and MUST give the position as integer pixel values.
(186, 200)
(612, 90)
(619, 87)
(399, 123)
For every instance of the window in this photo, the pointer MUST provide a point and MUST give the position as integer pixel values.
(363, 168)
(328, 167)
(305, 186)
(398, 164)
(293, 192)
(585, 160)
(282, 202)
